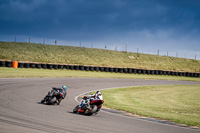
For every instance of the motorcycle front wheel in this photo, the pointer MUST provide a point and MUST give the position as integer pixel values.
(75, 110)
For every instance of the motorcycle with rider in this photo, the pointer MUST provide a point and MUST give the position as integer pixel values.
(55, 96)
(90, 104)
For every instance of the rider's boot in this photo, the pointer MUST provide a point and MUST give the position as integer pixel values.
(59, 100)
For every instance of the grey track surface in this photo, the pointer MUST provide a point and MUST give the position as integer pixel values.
(21, 112)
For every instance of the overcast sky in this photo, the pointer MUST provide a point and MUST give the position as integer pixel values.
(146, 25)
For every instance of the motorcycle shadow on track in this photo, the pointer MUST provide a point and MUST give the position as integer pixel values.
(81, 114)
(46, 104)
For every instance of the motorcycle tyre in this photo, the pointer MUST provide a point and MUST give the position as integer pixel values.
(42, 101)
(52, 101)
(94, 109)
(75, 110)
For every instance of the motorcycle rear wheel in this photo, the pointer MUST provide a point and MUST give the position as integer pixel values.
(93, 109)
(52, 101)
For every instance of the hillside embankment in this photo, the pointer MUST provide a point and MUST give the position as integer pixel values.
(41, 53)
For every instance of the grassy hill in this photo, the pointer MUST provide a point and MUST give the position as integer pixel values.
(90, 56)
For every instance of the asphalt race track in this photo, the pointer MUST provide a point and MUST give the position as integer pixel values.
(21, 111)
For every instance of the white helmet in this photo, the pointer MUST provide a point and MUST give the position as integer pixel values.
(98, 93)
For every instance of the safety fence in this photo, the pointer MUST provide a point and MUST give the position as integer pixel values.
(16, 64)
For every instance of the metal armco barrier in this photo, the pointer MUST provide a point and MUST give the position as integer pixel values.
(97, 68)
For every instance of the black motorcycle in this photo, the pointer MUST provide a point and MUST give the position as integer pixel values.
(53, 97)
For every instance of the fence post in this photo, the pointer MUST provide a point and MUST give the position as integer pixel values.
(43, 41)
(126, 47)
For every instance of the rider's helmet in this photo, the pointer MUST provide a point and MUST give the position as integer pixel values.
(98, 93)
(64, 87)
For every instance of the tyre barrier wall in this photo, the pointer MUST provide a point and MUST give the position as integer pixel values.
(97, 69)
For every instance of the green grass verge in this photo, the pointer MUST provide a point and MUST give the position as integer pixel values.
(90, 56)
(25, 73)
(177, 103)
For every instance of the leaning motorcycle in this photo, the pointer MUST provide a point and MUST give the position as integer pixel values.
(88, 106)
(52, 97)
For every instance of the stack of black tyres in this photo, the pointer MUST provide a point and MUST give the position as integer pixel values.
(20, 65)
(91, 68)
(125, 70)
(66, 66)
(60, 66)
(44, 66)
(2, 64)
(111, 69)
(26, 65)
(55, 66)
(106, 69)
(76, 67)
(32, 65)
(116, 70)
(8, 63)
(130, 70)
(96, 69)
(49, 66)
(38, 66)
(102, 69)
(86, 68)
(120, 70)
(71, 67)
(81, 68)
